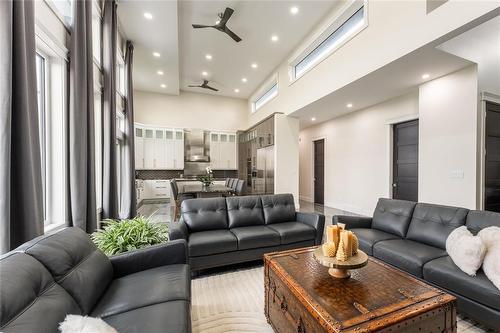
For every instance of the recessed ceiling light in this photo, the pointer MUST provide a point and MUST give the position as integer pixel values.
(349, 105)
(274, 38)
(208, 56)
(204, 73)
(236, 90)
(425, 76)
(313, 119)
(254, 65)
(163, 85)
(244, 80)
(160, 72)
(294, 10)
(148, 16)
(156, 54)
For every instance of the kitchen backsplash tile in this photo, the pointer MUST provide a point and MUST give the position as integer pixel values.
(169, 174)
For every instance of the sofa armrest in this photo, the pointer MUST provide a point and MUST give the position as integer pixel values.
(353, 221)
(317, 221)
(170, 253)
(178, 230)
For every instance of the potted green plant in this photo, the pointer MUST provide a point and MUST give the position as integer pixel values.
(207, 179)
(118, 236)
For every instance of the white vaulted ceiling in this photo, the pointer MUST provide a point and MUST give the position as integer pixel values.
(183, 48)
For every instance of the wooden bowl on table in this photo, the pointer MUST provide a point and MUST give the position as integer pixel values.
(340, 269)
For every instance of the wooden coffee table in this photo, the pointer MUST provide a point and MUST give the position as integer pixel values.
(302, 297)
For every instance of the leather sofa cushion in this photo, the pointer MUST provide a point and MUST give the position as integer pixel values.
(152, 286)
(407, 255)
(393, 216)
(480, 219)
(171, 317)
(444, 273)
(256, 236)
(75, 263)
(205, 214)
(211, 242)
(431, 224)
(244, 211)
(369, 237)
(30, 300)
(278, 208)
(293, 232)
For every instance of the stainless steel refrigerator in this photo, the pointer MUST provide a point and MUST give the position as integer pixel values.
(264, 182)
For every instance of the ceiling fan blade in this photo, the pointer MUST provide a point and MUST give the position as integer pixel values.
(198, 26)
(232, 34)
(208, 87)
(191, 86)
(227, 15)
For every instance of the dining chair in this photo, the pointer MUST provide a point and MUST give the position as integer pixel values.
(226, 184)
(239, 187)
(178, 198)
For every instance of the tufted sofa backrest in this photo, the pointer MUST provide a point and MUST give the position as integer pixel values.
(204, 214)
(278, 208)
(30, 299)
(74, 262)
(244, 211)
(431, 224)
(480, 219)
(393, 216)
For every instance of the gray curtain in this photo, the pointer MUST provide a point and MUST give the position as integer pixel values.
(81, 149)
(21, 196)
(110, 196)
(128, 197)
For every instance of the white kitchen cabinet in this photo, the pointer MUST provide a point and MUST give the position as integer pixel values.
(159, 148)
(149, 148)
(156, 189)
(223, 151)
(139, 147)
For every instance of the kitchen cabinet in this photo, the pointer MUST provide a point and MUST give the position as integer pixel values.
(139, 148)
(223, 151)
(159, 148)
(156, 189)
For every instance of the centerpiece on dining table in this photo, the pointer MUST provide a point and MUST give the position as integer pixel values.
(208, 179)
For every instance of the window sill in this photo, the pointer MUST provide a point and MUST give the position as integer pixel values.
(53, 226)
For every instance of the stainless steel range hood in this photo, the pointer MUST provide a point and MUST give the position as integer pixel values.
(196, 145)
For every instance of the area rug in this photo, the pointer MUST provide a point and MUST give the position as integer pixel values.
(234, 302)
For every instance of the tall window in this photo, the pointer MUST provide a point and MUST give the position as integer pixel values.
(348, 24)
(120, 73)
(41, 91)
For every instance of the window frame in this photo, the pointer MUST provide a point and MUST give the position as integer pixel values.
(265, 88)
(322, 36)
(42, 121)
(56, 87)
(120, 73)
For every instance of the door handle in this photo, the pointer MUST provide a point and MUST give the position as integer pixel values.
(394, 185)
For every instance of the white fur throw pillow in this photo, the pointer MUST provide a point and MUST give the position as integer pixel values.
(491, 263)
(81, 324)
(466, 250)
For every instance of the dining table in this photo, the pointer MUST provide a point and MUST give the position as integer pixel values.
(202, 191)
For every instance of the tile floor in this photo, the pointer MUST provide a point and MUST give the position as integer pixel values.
(162, 211)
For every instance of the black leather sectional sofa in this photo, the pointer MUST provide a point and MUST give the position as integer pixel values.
(147, 290)
(412, 236)
(222, 231)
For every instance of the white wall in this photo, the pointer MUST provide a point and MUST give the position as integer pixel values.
(357, 155)
(358, 147)
(399, 26)
(286, 156)
(190, 110)
(448, 139)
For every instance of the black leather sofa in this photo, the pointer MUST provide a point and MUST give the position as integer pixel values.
(147, 290)
(412, 236)
(222, 231)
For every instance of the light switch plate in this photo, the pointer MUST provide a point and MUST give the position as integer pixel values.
(457, 174)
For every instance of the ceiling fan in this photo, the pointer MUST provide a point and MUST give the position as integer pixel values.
(221, 24)
(204, 85)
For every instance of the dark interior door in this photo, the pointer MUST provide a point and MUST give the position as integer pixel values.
(492, 159)
(405, 157)
(319, 172)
